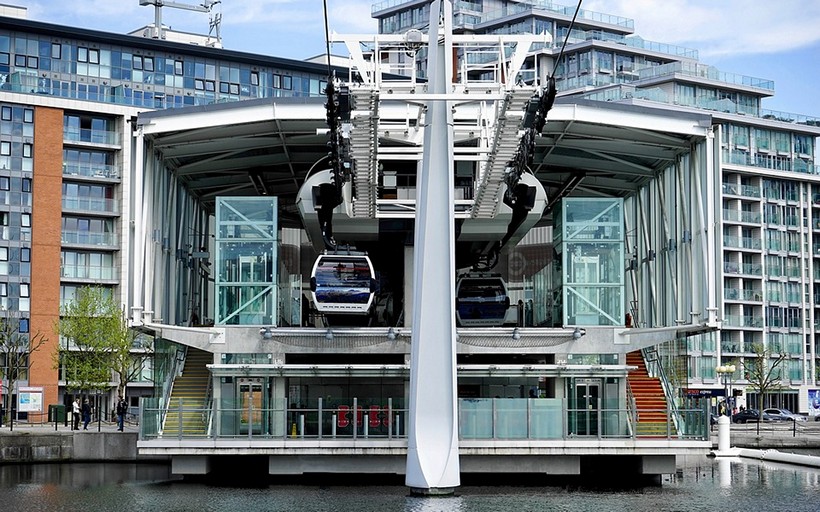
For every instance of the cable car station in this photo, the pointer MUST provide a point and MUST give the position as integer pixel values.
(408, 349)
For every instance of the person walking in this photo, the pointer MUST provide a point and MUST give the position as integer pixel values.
(75, 413)
(86, 414)
(122, 408)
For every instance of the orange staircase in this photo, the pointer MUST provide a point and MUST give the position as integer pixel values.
(650, 399)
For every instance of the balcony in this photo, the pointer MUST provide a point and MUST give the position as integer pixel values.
(741, 294)
(733, 189)
(86, 170)
(742, 321)
(698, 70)
(88, 238)
(742, 242)
(91, 204)
(741, 216)
(109, 273)
(103, 137)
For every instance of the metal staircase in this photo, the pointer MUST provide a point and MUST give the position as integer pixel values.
(651, 409)
(187, 412)
(502, 149)
(364, 143)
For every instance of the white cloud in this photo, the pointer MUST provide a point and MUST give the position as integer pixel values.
(727, 27)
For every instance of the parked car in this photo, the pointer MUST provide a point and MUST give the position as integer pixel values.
(751, 415)
(784, 415)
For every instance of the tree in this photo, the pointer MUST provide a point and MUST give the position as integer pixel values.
(91, 327)
(129, 354)
(16, 347)
(763, 372)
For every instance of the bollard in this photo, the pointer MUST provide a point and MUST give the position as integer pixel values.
(724, 429)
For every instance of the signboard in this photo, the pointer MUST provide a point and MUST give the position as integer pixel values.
(30, 399)
(814, 402)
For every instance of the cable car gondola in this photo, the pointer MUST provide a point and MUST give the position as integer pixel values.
(343, 283)
(481, 300)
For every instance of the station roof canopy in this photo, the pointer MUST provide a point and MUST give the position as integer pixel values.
(269, 146)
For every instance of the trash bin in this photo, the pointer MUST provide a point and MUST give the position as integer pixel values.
(56, 413)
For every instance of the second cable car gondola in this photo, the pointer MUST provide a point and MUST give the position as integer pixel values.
(343, 283)
(481, 300)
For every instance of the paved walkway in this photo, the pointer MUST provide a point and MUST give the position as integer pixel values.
(62, 428)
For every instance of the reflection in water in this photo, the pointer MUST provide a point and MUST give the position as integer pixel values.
(725, 470)
(701, 484)
(434, 504)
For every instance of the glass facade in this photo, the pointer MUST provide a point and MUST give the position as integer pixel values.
(588, 274)
(140, 75)
(246, 254)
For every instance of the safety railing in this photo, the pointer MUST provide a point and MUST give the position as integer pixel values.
(359, 419)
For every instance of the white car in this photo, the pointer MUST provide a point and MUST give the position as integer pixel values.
(784, 415)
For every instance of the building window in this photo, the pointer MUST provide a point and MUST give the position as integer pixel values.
(4, 290)
(27, 150)
(4, 183)
(5, 113)
(254, 78)
(25, 254)
(28, 115)
(24, 290)
(26, 184)
(32, 62)
(82, 54)
(4, 253)
(24, 327)
(56, 51)
(148, 63)
(178, 67)
(5, 148)
(5, 58)
(25, 220)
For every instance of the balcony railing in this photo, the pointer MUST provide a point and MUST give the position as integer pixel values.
(88, 238)
(741, 216)
(360, 419)
(742, 242)
(88, 272)
(110, 138)
(734, 189)
(90, 204)
(91, 170)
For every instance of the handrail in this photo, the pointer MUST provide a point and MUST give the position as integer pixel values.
(208, 412)
(652, 360)
(168, 386)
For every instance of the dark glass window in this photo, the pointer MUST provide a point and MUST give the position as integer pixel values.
(148, 64)
(136, 62)
(20, 61)
(26, 184)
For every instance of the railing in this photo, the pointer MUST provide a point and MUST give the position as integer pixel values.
(478, 418)
(90, 204)
(110, 138)
(88, 238)
(107, 272)
(91, 170)
(655, 367)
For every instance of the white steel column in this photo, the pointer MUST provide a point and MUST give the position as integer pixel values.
(432, 447)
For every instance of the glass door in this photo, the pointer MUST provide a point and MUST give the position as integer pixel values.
(584, 412)
(252, 406)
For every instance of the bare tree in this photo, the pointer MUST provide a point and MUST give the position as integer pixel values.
(764, 373)
(16, 347)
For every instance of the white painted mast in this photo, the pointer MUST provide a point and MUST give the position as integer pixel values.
(432, 448)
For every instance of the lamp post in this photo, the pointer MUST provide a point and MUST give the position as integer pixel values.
(725, 372)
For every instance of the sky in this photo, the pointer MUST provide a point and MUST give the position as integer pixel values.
(773, 40)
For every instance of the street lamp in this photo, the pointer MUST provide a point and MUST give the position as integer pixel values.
(725, 372)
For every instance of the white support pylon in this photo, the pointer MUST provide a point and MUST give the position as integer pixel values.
(432, 446)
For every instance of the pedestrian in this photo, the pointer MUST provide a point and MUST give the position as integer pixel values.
(75, 413)
(122, 408)
(86, 414)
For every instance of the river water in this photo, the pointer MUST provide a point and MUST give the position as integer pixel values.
(701, 484)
